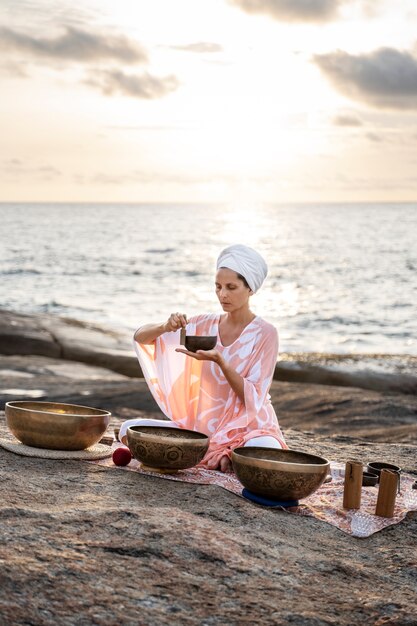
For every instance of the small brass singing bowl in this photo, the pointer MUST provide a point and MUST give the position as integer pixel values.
(369, 479)
(55, 425)
(164, 448)
(375, 467)
(279, 474)
(200, 342)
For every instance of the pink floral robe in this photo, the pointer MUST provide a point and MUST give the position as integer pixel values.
(196, 395)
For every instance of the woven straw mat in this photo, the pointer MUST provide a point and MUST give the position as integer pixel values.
(95, 452)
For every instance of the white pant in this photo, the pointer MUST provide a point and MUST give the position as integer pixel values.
(264, 441)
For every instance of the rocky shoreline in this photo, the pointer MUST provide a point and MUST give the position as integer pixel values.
(81, 544)
(83, 342)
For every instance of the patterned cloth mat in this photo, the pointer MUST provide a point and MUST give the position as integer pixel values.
(325, 504)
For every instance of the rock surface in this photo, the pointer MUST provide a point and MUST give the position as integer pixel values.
(47, 335)
(322, 409)
(81, 544)
(57, 337)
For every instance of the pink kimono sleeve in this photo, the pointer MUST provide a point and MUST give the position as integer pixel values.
(257, 381)
(162, 367)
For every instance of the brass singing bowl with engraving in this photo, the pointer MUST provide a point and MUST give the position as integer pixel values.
(279, 474)
(166, 448)
(200, 342)
(56, 425)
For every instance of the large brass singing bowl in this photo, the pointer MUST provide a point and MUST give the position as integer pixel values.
(56, 426)
(166, 448)
(279, 474)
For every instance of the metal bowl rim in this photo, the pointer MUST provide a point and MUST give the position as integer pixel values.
(100, 412)
(383, 465)
(153, 436)
(201, 336)
(281, 465)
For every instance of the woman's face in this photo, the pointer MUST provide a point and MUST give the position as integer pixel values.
(231, 290)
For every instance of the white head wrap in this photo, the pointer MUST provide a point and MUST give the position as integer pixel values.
(245, 261)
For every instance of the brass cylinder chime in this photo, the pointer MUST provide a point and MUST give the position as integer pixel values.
(387, 492)
(353, 485)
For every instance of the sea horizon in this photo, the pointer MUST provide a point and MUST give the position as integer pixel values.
(220, 203)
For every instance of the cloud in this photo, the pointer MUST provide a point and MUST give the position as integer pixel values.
(374, 137)
(73, 45)
(138, 86)
(150, 177)
(12, 163)
(180, 126)
(79, 46)
(143, 178)
(291, 10)
(347, 120)
(385, 78)
(351, 183)
(15, 169)
(13, 69)
(201, 47)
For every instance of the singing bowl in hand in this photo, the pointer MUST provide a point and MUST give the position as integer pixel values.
(200, 342)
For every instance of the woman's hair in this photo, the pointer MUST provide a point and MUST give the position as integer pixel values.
(243, 279)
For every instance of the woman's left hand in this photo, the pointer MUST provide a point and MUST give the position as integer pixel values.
(202, 355)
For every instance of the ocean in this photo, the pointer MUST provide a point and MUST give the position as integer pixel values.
(342, 277)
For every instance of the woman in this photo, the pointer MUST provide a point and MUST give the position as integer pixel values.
(221, 392)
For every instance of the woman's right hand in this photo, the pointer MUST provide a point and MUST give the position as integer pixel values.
(175, 321)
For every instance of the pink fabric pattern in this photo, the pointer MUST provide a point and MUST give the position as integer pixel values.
(196, 395)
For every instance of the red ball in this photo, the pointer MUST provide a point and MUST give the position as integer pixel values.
(122, 456)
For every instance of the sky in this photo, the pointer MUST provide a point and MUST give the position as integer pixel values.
(236, 101)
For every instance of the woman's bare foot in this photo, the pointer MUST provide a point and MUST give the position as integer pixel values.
(225, 464)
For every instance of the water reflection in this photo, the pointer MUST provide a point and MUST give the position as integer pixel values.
(339, 278)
